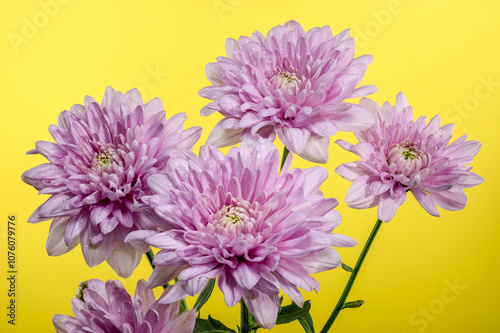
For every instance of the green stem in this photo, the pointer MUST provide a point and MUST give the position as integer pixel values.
(244, 318)
(354, 274)
(283, 159)
(150, 255)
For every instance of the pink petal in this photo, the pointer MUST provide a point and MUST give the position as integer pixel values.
(124, 259)
(388, 207)
(454, 199)
(349, 171)
(263, 307)
(295, 139)
(59, 322)
(246, 275)
(230, 289)
(220, 137)
(321, 261)
(471, 181)
(356, 119)
(316, 149)
(184, 323)
(75, 227)
(213, 75)
(359, 195)
(145, 294)
(55, 241)
(364, 90)
(162, 275)
(425, 201)
(173, 293)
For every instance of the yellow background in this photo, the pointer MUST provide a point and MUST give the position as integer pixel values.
(439, 53)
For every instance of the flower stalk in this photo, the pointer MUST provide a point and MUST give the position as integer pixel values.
(150, 255)
(244, 318)
(283, 159)
(352, 278)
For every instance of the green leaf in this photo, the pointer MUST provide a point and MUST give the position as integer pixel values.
(292, 312)
(210, 325)
(307, 323)
(347, 268)
(355, 304)
(205, 295)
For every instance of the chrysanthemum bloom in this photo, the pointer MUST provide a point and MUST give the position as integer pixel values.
(107, 307)
(234, 217)
(291, 83)
(98, 169)
(399, 154)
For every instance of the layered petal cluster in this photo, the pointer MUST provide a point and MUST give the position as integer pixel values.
(107, 307)
(234, 217)
(98, 170)
(399, 155)
(291, 83)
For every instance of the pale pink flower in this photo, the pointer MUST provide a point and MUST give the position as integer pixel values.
(234, 217)
(399, 154)
(108, 308)
(290, 82)
(98, 170)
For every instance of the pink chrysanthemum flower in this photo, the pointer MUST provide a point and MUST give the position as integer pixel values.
(234, 217)
(292, 83)
(97, 171)
(399, 154)
(107, 307)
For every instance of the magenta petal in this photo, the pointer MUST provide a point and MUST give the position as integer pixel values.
(35, 176)
(246, 275)
(231, 290)
(108, 308)
(75, 227)
(98, 172)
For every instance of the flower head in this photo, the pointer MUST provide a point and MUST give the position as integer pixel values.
(292, 83)
(399, 154)
(234, 217)
(107, 307)
(98, 170)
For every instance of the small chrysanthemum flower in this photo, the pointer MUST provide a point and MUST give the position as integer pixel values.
(291, 83)
(107, 307)
(98, 169)
(399, 154)
(234, 217)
